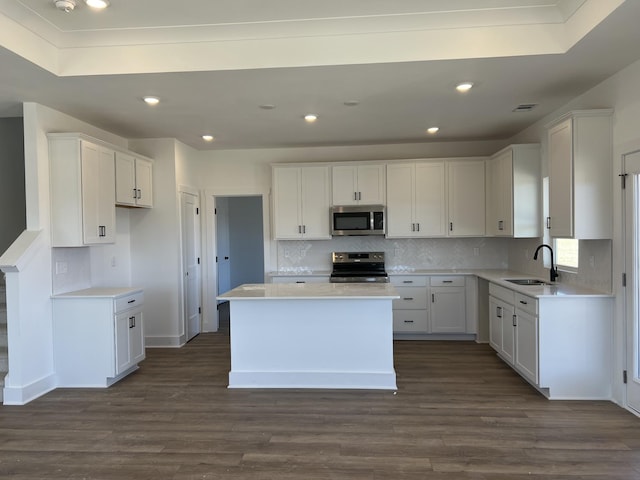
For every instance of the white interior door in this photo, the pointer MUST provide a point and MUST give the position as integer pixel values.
(190, 209)
(631, 166)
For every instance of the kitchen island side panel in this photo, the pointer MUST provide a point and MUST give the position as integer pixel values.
(312, 343)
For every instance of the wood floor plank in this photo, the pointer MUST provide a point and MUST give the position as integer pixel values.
(459, 414)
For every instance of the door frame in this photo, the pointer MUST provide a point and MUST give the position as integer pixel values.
(210, 319)
(182, 305)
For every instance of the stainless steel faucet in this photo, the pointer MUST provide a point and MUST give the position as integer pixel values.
(553, 273)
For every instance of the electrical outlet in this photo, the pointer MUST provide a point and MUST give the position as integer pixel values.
(61, 268)
(113, 261)
(592, 261)
(476, 251)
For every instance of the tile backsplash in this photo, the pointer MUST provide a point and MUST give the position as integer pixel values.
(400, 254)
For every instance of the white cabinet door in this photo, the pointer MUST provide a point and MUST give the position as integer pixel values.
(466, 197)
(315, 203)
(448, 312)
(98, 194)
(126, 193)
(371, 185)
(400, 200)
(136, 338)
(122, 350)
(508, 333)
(301, 203)
(496, 311)
(430, 212)
(500, 201)
(416, 200)
(133, 180)
(358, 184)
(526, 348)
(561, 179)
(287, 199)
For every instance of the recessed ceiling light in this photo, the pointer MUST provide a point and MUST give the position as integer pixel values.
(351, 103)
(464, 87)
(151, 100)
(310, 117)
(432, 130)
(99, 4)
(267, 106)
(208, 138)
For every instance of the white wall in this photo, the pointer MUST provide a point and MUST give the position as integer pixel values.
(30, 329)
(155, 247)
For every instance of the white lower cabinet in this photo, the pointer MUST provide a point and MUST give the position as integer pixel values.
(448, 305)
(560, 344)
(429, 305)
(410, 311)
(513, 329)
(98, 336)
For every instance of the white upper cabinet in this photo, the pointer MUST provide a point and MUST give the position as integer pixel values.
(82, 190)
(466, 198)
(133, 180)
(580, 182)
(513, 192)
(416, 199)
(358, 184)
(301, 203)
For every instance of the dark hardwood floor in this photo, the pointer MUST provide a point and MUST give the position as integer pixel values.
(459, 413)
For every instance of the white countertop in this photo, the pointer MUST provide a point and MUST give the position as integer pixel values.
(99, 292)
(496, 276)
(311, 291)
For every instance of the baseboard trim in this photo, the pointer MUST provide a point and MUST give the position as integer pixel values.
(27, 393)
(164, 342)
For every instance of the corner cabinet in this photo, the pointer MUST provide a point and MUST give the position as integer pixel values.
(466, 198)
(358, 184)
(98, 336)
(301, 201)
(133, 180)
(416, 200)
(513, 180)
(82, 191)
(580, 177)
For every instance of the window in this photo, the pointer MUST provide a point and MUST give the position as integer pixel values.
(567, 253)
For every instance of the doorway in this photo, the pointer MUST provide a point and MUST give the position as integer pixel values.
(239, 241)
(631, 202)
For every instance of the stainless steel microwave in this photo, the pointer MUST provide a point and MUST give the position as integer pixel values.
(358, 220)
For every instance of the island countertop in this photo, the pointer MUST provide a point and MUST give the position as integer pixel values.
(311, 291)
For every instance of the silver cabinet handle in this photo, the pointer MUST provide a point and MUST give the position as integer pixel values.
(408, 321)
(417, 227)
(407, 281)
(132, 322)
(500, 224)
(131, 301)
(407, 298)
(447, 281)
(523, 302)
(433, 298)
(451, 226)
(548, 223)
(139, 194)
(514, 321)
(499, 312)
(135, 193)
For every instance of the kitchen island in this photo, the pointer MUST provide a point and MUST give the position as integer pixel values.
(312, 335)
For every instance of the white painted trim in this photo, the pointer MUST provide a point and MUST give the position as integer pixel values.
(25, 394)
(164, 341)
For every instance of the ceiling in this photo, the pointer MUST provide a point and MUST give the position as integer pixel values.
(213, 63)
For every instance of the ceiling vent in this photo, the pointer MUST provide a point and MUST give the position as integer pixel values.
(525, 107)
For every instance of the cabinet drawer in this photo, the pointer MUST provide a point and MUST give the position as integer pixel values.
(502, 293)
(410, 321)
(411, 298)
(528, 304)
(451, 281)
(129, 301)
(408, 280)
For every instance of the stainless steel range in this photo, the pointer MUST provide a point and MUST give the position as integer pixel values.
(356, 267)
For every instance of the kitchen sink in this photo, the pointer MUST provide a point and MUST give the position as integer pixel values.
(526, 281)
